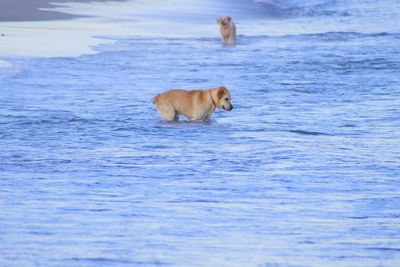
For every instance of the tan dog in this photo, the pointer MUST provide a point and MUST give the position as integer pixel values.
(195, 105)
(227, 29)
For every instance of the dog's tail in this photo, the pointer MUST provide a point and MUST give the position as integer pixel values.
(154, 100)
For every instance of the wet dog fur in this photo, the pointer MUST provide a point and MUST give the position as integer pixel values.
(195, 105)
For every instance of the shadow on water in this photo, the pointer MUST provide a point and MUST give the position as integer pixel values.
(302, 132)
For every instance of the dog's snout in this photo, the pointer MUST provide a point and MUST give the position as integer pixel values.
(229, 108)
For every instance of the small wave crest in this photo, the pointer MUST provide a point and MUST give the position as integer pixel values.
(302, 132)
(296, 8)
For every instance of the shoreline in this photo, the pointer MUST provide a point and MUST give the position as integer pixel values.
(38, 28)
(80, 24)
(35, 10)
(70, 28)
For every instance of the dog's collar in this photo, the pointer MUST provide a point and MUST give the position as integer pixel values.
(212, 99)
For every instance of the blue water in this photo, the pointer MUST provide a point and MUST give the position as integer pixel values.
(303, 172)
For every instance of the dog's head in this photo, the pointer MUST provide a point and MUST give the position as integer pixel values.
(222, 98)
(224, 21)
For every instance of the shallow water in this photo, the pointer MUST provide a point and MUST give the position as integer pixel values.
(304, 171)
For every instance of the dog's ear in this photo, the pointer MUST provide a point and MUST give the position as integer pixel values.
(229, 18)
(220, 92)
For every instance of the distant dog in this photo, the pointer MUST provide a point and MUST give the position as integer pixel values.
(195, 105)
(227, 29)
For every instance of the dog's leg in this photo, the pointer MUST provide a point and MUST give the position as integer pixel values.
(167, 112)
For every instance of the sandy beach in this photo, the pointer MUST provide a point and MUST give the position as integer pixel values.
(25, 30)
(21, 10)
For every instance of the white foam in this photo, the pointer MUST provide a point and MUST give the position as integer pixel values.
(5, 64)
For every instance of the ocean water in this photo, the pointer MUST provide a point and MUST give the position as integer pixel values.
(304, 171)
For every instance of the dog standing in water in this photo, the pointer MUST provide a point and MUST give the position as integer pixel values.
(227, 29)
(195, 105)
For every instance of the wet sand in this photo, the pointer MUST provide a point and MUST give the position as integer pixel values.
(22, 10)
